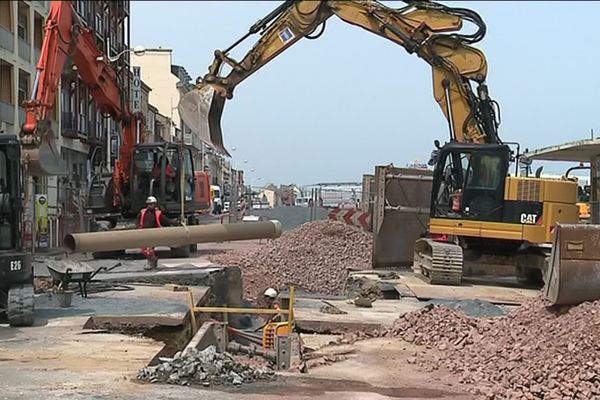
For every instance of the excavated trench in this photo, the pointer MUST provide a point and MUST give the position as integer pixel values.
(174, 335)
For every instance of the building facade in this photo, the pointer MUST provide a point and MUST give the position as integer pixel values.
(84, 136)
(89, 140)
(169, 83)
(155, 68)
(21, 37)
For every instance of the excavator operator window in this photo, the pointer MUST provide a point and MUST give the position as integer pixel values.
(483, 194)
(145, 162)
(470, 185)
(7, 216)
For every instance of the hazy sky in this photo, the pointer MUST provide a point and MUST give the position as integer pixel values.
(331, 109)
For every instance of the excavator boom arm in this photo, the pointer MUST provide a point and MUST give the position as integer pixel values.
(427, 29)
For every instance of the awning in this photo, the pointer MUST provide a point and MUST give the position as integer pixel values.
(578, 151)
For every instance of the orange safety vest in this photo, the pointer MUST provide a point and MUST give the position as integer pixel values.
(157, 214)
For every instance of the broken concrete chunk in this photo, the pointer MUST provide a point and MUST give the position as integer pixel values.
(205, 368)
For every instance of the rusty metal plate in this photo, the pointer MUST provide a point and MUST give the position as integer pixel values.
(573, 274)
(400, 214)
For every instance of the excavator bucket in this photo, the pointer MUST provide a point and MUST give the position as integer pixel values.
(44, 159)
(573, 274)
(201, 110)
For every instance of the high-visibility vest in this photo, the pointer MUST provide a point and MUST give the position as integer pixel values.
(157, 214)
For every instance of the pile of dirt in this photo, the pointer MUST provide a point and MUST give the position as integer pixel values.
(206, 367)
(534, 352)
(315, 257)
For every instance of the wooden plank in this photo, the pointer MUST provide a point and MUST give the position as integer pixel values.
(403, 290)
(493, 294)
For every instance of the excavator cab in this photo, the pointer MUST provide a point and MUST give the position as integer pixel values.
(16, 274)
(157, 171)
(468, 182)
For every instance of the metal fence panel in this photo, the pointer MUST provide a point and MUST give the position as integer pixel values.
(400, 214)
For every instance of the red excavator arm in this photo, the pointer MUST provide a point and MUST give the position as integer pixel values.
(66, 37)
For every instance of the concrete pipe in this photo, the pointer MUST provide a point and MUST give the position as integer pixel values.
(171, 236)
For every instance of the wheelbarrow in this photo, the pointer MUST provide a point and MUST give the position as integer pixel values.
(67, 271)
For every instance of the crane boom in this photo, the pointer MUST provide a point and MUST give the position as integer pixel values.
(430, 30)
(66, 36)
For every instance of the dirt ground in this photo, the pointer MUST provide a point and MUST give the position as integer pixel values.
(59, 361)
(56, 359)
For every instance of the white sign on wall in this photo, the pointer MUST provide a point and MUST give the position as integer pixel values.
(136, 96)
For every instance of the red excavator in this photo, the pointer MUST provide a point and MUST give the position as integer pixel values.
(140, 169)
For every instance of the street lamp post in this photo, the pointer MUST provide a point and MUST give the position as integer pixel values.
(137, 50)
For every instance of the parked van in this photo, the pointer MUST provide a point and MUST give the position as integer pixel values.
(215, 194)
(303, 201)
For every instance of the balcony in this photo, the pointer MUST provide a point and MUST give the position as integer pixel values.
(7, 112)
(24, 50)
(7, 39)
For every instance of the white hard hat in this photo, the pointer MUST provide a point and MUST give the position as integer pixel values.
(270, 292)
(151, 199)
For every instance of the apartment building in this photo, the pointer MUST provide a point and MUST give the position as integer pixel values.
(155, 69)
(89, 140)
(86, 138)
(21, 35)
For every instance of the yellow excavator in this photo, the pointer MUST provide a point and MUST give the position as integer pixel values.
(480, 214)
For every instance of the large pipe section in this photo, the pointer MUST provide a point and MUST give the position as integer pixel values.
(171, 236)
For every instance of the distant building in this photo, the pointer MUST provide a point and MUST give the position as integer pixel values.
(155, 67)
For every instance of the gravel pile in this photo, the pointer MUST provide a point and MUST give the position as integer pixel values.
(535, 352)
(314, 257)
(206, 367)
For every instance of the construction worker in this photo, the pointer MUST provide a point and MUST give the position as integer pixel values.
(270, 298)
(152, 217)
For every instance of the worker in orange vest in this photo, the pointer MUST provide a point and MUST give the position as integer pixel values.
(152, 217)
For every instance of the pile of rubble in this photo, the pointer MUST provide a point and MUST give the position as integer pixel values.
(315, 257)
(206, 367)
(535, 352)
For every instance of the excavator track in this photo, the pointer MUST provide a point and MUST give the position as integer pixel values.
(19, 308)
(439, 263)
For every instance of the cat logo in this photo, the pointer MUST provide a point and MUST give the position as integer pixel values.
(529, 219)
